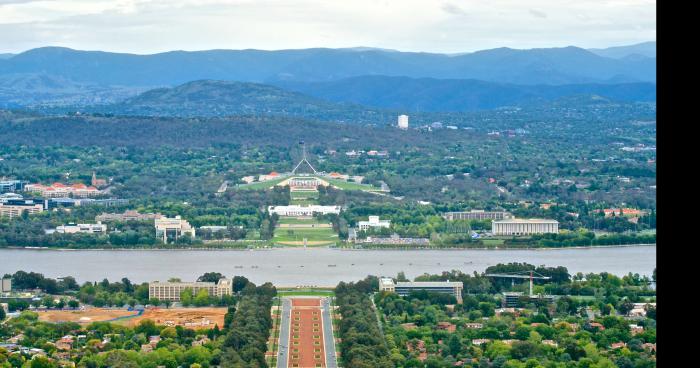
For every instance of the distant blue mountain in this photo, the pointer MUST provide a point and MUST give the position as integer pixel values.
(554, 66)
(428, 94)
(644, 49)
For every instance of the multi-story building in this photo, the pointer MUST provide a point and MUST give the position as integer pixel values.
(6, 285)
(15, 210)
(405, 288)
(171, 291)
(59, 190)
(129, 215)
(296, 210)
(524, 226)
(373, 222)
(12, 186)
(477, 215)
(173, 228)
(97, 228)
(403, 122)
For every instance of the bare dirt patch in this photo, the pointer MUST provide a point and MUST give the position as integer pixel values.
(84, 316)
(193, 318)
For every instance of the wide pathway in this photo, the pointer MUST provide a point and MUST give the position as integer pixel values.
(282, 349)
(306, 334)
(328, 339)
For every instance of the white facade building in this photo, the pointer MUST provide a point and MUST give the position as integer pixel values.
(97, 228)
(296, 210)
(524, 226)
(173, 228)
(403, 122)
(373, 222)
(171, 290)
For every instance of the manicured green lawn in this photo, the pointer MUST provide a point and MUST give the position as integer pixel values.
(305, 292)
(346, 185)
(261, 185)
(297, 221)
(493, 241)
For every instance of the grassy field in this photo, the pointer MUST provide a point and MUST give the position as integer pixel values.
(297, 220)
(304, 292)
(493, 241)
(261, 185)
(314, 237)
(304, 198)
(294, 235)
(346, 185)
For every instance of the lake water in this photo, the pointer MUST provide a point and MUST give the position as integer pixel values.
(314, 266)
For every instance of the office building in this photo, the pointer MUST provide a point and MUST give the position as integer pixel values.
(97, 228)
(15, 210)
(405, 288)
(296, 210)
(6, 285)
(476, 215)
(173, 228)
(511, 299)
(171, 291)
(403, 122)
(129, 215)
(524, 226)
(373, 222)
(12, 186)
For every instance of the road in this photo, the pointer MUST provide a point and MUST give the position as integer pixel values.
(283, 348)
(328, 340)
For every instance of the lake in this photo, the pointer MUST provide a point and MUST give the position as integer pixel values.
(313, 266)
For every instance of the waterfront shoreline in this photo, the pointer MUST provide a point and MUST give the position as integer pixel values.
(333, 248)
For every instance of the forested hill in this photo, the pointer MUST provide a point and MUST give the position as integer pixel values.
(358, 100)
(207, 98)
(429, 94)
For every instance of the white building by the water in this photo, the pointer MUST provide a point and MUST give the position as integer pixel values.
(524, 226)
(374, 222)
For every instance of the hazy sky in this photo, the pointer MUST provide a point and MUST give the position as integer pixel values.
(450, 26)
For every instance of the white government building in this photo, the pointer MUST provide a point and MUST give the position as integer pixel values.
(171, 290)
(296, 210)
(374, 221)
(172, 228)
(524, 226)
(98, 228)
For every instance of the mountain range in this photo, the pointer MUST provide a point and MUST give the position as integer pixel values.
(565, 65)
(428, 94)
(214, 82)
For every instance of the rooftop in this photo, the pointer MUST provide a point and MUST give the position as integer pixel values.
(529, 221)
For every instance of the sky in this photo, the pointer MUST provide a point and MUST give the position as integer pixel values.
(444, 26)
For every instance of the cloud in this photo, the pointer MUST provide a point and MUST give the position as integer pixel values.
(148, 26)
(537, 13)
(452, 9)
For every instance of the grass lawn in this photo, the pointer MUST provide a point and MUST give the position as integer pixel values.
(493, 241)
(347, 185)
(297, 220)
(261, 185)
(305, 292)
(314, 237)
